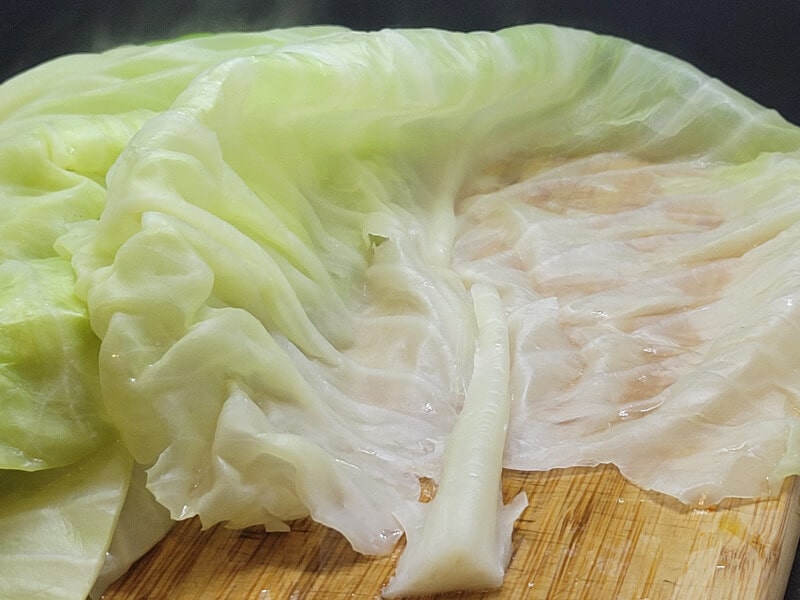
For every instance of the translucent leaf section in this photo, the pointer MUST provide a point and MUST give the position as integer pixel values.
(62, 125)
(56, 524)
(280, 275)
(141, 524)
(50, 413)
(654, 317)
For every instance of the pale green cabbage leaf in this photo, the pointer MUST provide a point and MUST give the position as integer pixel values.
(57, 523)
(281, 265)
(51, 414)
(281, 273)
(62, 125)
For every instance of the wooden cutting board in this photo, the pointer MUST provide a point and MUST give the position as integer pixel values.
(587, 534)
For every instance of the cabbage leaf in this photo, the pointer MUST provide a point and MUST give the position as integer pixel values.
(280, 240)
(57, 524)
(281, 275)
(62, 125)
(62, 475)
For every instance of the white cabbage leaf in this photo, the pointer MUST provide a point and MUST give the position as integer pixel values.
(461, 539)
(282, 274)
(281, 239)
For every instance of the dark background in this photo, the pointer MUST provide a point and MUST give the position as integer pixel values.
(753, 46)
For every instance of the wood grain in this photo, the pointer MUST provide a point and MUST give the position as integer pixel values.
(587, 534)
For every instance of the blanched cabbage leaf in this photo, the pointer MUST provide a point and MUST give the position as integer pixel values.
(278, 238)
(141, 524)
(281, 273)
(56, 525)
(51, 413)
(62, 125)
(668, 339)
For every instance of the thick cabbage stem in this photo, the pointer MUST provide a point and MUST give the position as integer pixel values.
(461, 540)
